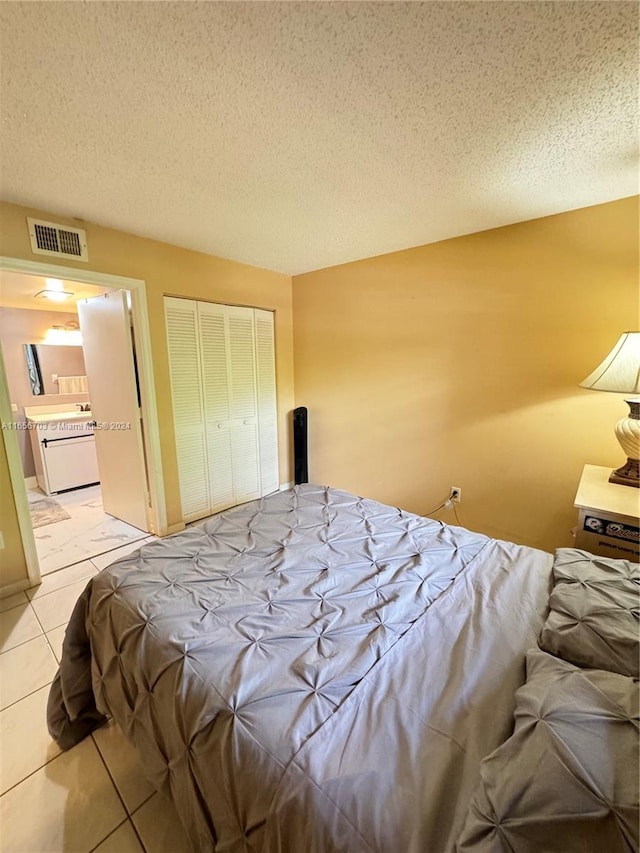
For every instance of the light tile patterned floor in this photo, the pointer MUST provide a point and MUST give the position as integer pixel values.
(94, 797)
(88, 532)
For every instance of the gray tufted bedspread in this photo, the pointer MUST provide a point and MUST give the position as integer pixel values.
(309, 672)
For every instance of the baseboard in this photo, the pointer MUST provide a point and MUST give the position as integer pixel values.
(174, 528)
(285, 487)
(12, 588)
(31, 482)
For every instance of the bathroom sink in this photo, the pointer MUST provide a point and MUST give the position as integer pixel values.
(74, 415)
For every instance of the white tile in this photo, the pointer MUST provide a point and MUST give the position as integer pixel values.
(68, 805)
(61, 578)
(90, 496)
(89, 531)
(18, 625)
(55, 608)
(103, 560)
(159, 827)
(123, 840)
(55, 638)
(124, 765)
(25, 669)
(25, 743)
(12, 601)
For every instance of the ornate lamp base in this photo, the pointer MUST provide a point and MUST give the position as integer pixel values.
(628, 474)
(628, 434)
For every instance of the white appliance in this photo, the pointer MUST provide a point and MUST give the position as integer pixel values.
(64, 450)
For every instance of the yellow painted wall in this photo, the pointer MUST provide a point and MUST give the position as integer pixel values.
(12, 563)
(176, 272)
(457, 363)
(449, 364)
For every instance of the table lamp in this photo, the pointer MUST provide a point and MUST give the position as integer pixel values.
(620, 372)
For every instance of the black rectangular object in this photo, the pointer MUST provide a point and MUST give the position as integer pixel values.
(300, 464)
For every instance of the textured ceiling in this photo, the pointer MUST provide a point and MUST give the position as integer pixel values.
(295, 136)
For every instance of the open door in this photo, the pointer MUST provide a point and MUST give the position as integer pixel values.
(111, 375)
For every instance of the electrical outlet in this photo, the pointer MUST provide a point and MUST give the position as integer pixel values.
(1, 541)
(455, 494)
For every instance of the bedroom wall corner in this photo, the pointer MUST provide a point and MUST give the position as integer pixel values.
(458, 363)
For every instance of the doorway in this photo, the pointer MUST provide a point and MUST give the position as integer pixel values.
(71, 523)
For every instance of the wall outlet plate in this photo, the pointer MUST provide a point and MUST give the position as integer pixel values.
(455, 494)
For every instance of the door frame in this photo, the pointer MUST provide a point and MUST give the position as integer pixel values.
(148, 402)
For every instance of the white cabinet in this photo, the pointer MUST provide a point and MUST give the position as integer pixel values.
(70, 463)
(222, 367)
(608, 522)
(64, 453)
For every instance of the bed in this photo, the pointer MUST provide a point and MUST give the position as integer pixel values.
(313, 671)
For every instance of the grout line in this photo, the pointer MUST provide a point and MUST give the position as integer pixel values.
(87, 578)
(24, 642)
(106, 764)
(66, 566)
(15, 607)
(33, 772)
(109, 774)
(138, 836)
(46, 636)
(143, 803)
(135, 828)
(26, 695)
(132, 542)
(29, 601)
(124, 805)
(38, 619)
(62, 568)
(52, 628)
(90, 558)
(115, 829)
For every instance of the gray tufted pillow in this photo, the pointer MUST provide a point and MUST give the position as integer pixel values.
(594, 612)
(567, 779)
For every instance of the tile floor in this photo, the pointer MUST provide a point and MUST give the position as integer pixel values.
(90, 531)
(95, 796)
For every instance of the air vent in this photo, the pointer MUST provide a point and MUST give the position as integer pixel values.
(47, 238)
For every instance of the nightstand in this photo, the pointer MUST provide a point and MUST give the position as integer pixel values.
(608, 517)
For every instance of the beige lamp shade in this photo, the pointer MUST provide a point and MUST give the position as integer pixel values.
(620, 370)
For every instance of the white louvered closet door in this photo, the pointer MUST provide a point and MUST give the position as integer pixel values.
(245, 453)
(267, 404)
(217, 404)
(223, 387)
(188, 416)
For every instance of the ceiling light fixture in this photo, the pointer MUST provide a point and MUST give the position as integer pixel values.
(54, 291)
(54, 295)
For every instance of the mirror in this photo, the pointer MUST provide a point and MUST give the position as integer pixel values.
(48, 364)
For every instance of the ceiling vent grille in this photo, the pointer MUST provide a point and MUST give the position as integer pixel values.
(47, 238)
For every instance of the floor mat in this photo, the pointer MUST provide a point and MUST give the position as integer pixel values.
(45, 510)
